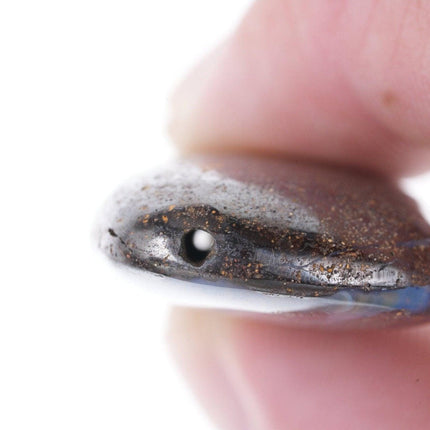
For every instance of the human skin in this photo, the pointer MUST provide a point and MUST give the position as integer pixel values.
(344, 82)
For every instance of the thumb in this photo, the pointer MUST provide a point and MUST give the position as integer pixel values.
(263, 376)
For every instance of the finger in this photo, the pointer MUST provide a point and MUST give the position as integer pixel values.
(271, 378)
(340, 81)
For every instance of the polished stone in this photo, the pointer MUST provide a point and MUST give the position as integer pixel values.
(350, 243)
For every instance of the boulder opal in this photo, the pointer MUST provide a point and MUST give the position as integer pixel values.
(319, 244)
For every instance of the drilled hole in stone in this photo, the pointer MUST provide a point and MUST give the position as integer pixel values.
(196, 246)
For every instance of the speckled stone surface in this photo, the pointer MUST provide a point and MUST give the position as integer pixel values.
(278, 227)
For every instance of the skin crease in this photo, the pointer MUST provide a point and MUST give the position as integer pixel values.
(339, 81)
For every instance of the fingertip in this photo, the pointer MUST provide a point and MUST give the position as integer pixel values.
(312, 83)
(270, 376)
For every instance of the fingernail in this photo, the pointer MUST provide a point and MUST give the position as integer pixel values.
(186, 103)
(200, 347)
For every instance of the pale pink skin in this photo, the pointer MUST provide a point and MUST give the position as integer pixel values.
(345, 82)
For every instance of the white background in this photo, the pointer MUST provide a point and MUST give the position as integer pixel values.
(83, 96)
